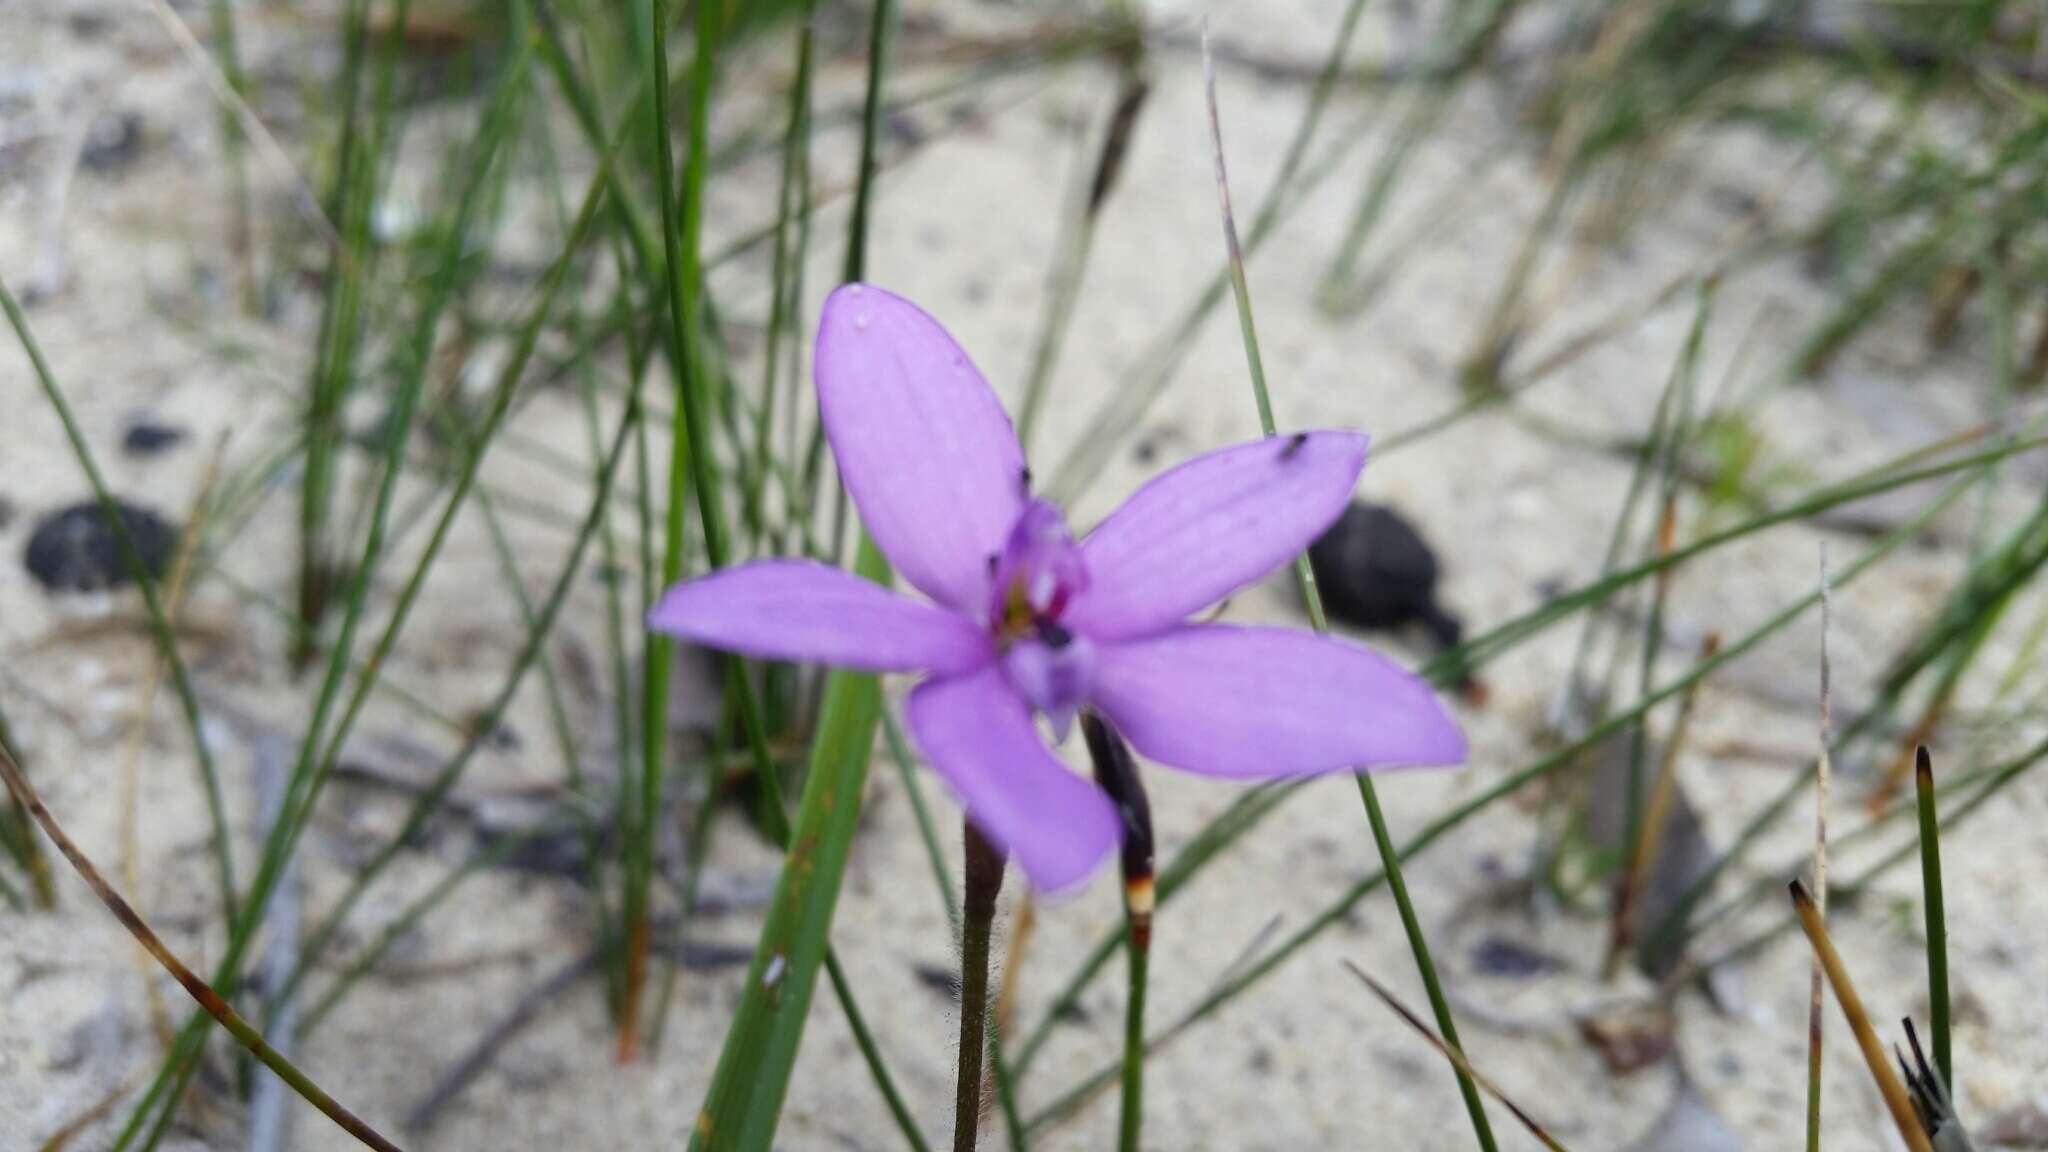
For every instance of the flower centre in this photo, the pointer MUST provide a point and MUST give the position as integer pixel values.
(1033, 579)
(1035, 576)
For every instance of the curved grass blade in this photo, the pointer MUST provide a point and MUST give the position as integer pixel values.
(1304, 576)
(200, 990)
(1246, 976)
(1291, 185)
(1255, 804)
(159, 622)
(18, 837)
(1456, 1057)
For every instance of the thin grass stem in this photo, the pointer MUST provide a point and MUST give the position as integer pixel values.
(159, 620)
(201, 992)
(1859, 1022)
(1383, 839)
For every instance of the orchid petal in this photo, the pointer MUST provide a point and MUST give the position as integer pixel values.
(803, 611)
(922, 443)
(1054, 679)
(1253, 702)
(980, 737)
(1193, 535)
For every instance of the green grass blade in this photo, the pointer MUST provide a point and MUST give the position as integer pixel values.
(1304, 576)
(159, 624)
(745, 1100)
(1255, 804)
(906, 1123)
(881, 31)
(1937, 919)
(19, 837)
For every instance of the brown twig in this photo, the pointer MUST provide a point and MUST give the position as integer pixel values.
(473, 1063)
(1823, 771)
(1859, 1021)
(131, 759)
(200, 991)
(1458, 1058)
(62, 1137)
(1650, 838)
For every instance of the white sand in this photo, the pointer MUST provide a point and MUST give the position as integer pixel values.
(967, 227)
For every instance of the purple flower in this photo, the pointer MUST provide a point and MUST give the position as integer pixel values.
(1025, 619)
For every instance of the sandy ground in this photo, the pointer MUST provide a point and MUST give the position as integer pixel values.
(141, 321)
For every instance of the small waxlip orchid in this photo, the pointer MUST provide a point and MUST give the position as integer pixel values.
(1025, 619)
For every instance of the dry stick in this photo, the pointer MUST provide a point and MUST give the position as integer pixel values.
(131, 764)
(1650, 837)
(524, 1013)
(1859, 1021)
(252, 125)
(1383, 839)
(1077, 235)
(202, 992)
(1824, 770)
(1621, 933)
(62, 1137)
(1456, 1057)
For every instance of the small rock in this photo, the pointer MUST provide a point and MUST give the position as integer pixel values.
(904, 130)
(6, 512)
(1688, 1124)
(1376, 571)
(2023, 1126)
(1684, 856)
(1630, 1037)
(113, 142)
(555, 850)
(75, 549)
(148, 438)
(938, 978)
(527, 1070)
(99, 1036)
(1500, 956)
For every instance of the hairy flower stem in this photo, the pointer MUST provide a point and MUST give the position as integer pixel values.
(983, 882)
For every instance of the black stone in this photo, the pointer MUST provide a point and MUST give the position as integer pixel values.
(1500, 956)
(113, 143)
(148, 438)
(1376, 571)
(75, 549)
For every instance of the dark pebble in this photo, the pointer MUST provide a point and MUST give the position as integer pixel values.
(1500, 956)
(113, 142)
(75, 549)
(559, 853)
(148, 438)
(1375, 571)
(937, 978)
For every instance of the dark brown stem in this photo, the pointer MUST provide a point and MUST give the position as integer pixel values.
(200, 991)
(984, 881)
